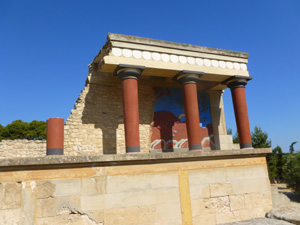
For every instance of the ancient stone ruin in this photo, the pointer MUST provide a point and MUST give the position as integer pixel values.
(145, 144)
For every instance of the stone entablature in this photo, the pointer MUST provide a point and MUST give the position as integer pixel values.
(167, 59)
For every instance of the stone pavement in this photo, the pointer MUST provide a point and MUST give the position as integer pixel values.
(260, 221)
(289, 214)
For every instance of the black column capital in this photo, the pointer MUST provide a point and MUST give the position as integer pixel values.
(237, 81)
(188, 77)
(124, 71)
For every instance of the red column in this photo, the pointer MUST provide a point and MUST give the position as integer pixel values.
(55, 136)
(238, 94)
(189, 81)
(129, 76)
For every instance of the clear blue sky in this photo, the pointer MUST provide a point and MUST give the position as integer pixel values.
(46, 46)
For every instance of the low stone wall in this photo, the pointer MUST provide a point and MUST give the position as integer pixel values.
(212, 187)
(22, 148)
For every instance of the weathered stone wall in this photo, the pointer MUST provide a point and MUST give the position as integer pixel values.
(22, 148)
(169, 192)
(96, 124)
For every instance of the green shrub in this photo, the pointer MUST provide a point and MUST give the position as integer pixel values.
(275, 161)
(291, 171)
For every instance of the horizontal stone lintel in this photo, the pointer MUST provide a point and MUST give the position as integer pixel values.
(126, 159)
(173, 45)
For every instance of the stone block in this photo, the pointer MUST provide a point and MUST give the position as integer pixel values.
(197, 207)
(131, 215)
(259, 185)
(74, 203)
(66, 218)
(163, 180)
(150, 197)
(237, 202)
(258, 212)
(242, 214)
(54, 206)
(199, 191)
(225, 217)
(10, 217)
(89, 186)
(216, 205)
(217, 190)
(255, 200)
(207, 176)
(49, 207)
(205, 219)
(96, 215)
(66, 187)
(169, 211)
(235, 173)
(45, 190)
(255, 171)
(28, 203)
(167, 222)
(10, 195)
(127, 183)
(90, 203)
(116, 200)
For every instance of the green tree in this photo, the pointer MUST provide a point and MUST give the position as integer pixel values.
(36, 130)
(275, 161)
(291, 171)
(15, 130)
(235, 138)
(292, 150)
(260, 138)
(1, 130)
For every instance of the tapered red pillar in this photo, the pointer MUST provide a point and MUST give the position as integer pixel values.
(189, 80)
(129, 76)
(237, 87)
(55, 136)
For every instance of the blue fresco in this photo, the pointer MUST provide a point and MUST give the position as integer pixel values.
(171, 100)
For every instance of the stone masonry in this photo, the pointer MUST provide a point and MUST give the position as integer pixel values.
(186, 188)
(22, 148)
(95, 125)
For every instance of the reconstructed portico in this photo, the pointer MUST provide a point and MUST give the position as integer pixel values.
(166, 67)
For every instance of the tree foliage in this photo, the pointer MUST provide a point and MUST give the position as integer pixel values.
(292, 150)
(275, 161)
(291, 171)
(35, 130)
(260, 138)
(235, 138)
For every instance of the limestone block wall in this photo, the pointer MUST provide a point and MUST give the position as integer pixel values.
(22, 148)
(171, 192)
(96, 124)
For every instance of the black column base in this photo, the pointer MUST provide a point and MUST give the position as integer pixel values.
(195, 147)
(55, 151)
(133, 149)
(246, 145)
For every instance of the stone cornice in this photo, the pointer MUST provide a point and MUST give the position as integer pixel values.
(166, 59)
(94, 160)
(174, 45)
